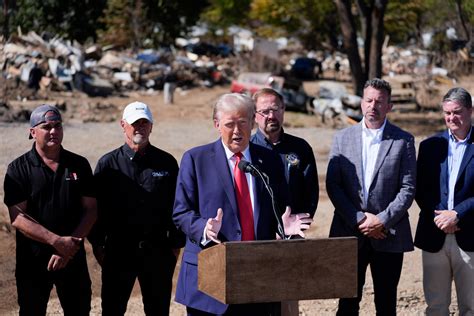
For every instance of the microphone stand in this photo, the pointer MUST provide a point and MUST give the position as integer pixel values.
(266, 182)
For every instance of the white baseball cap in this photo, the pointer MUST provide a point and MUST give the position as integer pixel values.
(135, 111)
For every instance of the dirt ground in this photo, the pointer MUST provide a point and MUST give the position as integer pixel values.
(178, 127)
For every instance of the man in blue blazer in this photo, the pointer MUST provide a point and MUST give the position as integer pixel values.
(371, 182)
(207, 208)
(445, 195)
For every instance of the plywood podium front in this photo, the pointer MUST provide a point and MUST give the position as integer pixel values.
(279, 270)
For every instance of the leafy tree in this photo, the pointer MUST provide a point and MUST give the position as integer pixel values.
(71, 19)
(172, 19)
(140, 21)
(121, 23)
(404, 20)
(313, 22)
(225, 13)
(455, 13)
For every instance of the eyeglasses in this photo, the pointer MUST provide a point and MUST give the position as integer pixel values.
(267, 112)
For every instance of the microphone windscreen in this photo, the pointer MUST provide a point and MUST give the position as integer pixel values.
(244, 165)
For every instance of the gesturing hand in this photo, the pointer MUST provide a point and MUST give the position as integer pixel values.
(295, 224)
(213, 226)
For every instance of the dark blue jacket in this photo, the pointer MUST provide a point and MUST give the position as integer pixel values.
(204, 185)
(432, 193)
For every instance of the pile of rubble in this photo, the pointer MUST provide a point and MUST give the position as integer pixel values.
(99, 71)
(33, 66)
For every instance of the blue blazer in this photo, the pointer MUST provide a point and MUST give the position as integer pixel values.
(432, 193)
(204, 185)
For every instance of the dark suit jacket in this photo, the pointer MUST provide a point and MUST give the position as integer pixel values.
(391, 191)
(204, 185)
(432, 193)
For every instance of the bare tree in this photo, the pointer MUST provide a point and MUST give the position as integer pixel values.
(6, 30)
(462, 17)
(371, 14)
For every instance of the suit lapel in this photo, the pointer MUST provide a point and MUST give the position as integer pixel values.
(259, 188)
(387, 141)
(220, 160)
(356, 144)
(444, 166)
(257, 161)
(467, 155)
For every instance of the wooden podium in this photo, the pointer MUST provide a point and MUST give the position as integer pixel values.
(280, 270)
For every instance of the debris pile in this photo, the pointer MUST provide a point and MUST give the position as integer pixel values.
(33, 66)
(335, 106)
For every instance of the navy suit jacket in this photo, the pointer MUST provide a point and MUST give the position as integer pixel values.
(204, 185)
(432, 193)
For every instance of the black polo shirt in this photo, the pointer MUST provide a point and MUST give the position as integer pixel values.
(54, 199)
(301, 176)
(135, 198)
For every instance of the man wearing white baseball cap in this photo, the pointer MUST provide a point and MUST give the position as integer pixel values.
(135, 236)
(135, 111)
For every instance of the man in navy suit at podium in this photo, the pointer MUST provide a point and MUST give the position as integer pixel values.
(216, 202)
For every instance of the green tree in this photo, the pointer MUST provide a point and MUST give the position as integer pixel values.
(312, 22)
(225, 13)
(404, 20)
(457, 14)
(135, 22)
(172, 19)
(70, 19)
(123, 20)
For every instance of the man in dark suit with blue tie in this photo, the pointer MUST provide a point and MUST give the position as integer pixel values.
(445, 195)
(216, 202)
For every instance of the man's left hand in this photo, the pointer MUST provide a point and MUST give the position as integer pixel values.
(57, 262)
(295, 224)
(446, 220)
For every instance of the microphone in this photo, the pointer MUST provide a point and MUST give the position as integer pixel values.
(247, 167)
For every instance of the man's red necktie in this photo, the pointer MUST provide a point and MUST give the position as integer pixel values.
(243, 201)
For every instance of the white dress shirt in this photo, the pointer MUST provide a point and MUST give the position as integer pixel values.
(456, 150)
(371, 140)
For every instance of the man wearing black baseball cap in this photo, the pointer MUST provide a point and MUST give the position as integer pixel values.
(51, 201)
